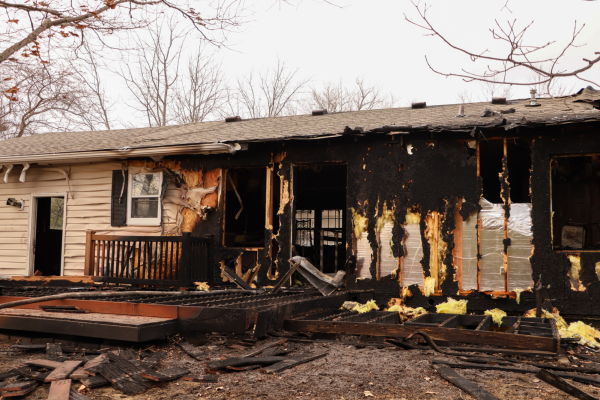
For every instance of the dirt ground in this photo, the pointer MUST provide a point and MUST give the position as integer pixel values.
(346, 372)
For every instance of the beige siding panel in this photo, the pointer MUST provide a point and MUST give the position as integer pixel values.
(87, 208)
(13, 246)
(31, 183)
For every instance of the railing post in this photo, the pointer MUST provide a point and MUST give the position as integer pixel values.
(89, 254)
(185, 268)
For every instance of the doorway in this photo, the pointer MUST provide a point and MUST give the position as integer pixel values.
(320, 215)
(48, 235)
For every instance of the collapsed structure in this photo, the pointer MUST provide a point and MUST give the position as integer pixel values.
(477, 201)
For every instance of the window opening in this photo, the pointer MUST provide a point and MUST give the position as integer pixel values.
(320, 216)
(144, 199)
(245, 207)
(576, 202)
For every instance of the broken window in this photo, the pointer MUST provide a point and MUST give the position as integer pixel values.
(320, 214)
(245, 207)
(576, 202)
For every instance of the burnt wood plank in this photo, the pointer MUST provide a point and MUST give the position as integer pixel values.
(245, 367)
(166, 374)
(17, 386)
(60, 390)
(291, 362)
(29, 347)
(78, 374)
(93, 382)
(203, 378)
(232, 276)
(256, 351)
(39, 376)
(9, 374)
(191, 350)
(463, 383)
(532, 343)
(121, 380)
(238, 361)
(563, 385)
(63, 371)
(90, 365)
(155, 358)
(579, 378)
(19, 393)
(44, 363)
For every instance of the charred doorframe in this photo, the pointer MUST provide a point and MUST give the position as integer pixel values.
(318, 242)
(31, 236)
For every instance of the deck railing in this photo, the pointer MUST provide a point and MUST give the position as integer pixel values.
(148, 260)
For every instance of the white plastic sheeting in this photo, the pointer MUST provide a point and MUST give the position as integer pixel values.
(492, 247)
(413, 254)
(364, 255)
(519, 251)
(388, 262)
(469, 253)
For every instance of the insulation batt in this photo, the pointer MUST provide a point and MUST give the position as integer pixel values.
(406, 312)
(497, 315)
(429, 288)
(586, 334)
(452, 307)
(360, 308)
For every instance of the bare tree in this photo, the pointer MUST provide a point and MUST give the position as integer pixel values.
(152, 74)
(90, 73)
(520, 55)
(49, 99)
(336, 97)
(39, 28)
(201, 93)
(270, 93)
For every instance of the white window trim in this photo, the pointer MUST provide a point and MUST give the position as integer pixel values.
(144, 221)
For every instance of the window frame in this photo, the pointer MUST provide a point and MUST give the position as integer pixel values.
(156, 221)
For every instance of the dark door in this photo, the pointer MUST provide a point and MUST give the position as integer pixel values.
(48, 235)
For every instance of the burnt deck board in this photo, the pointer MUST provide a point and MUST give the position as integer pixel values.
(497, 339)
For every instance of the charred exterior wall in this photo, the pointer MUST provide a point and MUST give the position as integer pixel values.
(382, 174)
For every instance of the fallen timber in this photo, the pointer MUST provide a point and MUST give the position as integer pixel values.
(371, 325)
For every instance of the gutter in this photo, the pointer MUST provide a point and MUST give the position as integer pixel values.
(155, 153)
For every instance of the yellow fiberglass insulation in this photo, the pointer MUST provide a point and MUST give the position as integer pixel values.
(429, 287)
(452, 307)
(555, 315)
(359, 224)
(497, 315)
(412, 218)
(406, 312)
(518, 293)
(598, 270)
(574, 273)
(387, 217)
(202, 286)
(360, 308)
(585, 333)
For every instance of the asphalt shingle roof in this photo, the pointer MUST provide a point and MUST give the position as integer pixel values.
(551, 111)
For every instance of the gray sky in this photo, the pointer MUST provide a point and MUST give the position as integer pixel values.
(372, 39)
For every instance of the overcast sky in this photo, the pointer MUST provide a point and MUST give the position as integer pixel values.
(372, 39)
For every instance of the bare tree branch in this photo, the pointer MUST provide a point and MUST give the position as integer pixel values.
(520, 55)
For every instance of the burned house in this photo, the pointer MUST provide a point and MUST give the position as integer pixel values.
(426, 202)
